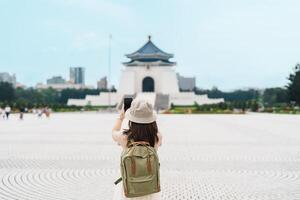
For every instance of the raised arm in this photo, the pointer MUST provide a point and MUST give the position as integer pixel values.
(159, 143)
(117, 127)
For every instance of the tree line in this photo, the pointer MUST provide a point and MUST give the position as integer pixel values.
(35, 98)
(269, 97)
(288, 95)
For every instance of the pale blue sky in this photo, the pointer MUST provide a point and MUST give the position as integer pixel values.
(225, 43)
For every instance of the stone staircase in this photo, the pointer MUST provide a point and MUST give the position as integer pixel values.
(162, 102)
(159, 101)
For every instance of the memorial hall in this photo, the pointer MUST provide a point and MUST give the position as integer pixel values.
(151, 75)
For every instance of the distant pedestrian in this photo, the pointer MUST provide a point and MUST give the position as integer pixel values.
(39, 113)
(2, 113)
(22, 110)
(7, 111)
(47, 112)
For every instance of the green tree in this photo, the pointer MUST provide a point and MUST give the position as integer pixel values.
(36, 98)
(276, 95)
(7, 92)
(294, 85)
(254, 106)
(236, 95)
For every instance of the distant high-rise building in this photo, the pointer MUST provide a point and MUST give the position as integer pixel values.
(102, 83)
(56, 80)
(77, 75)
(6, 77)
(186, 83)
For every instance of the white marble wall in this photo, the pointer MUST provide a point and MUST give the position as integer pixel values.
(165, 80)
(97, 100)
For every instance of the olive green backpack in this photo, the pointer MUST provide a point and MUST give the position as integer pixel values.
(140, 170)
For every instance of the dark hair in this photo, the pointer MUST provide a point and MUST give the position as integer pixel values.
(142, 132)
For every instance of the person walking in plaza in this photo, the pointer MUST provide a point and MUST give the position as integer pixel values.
(139, 160)
(2, 113)
(47, 112)
(21, 116)
(39, 113)
(7, 111)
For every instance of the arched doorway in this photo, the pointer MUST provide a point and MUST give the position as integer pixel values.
(148, 84)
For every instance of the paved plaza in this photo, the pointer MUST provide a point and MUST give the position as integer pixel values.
(226, 157)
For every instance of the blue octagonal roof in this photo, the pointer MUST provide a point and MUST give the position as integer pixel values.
(149, 51)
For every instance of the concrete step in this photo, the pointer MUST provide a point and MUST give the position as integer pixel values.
(162, 102)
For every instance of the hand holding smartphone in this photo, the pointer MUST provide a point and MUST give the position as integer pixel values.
(127, 103)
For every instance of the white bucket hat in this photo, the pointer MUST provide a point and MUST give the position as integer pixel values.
(141, 112)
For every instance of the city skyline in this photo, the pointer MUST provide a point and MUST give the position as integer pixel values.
(230, 45)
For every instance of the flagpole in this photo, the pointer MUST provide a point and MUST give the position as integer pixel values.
(109, 71)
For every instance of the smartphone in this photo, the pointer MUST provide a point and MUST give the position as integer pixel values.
(127, 103)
